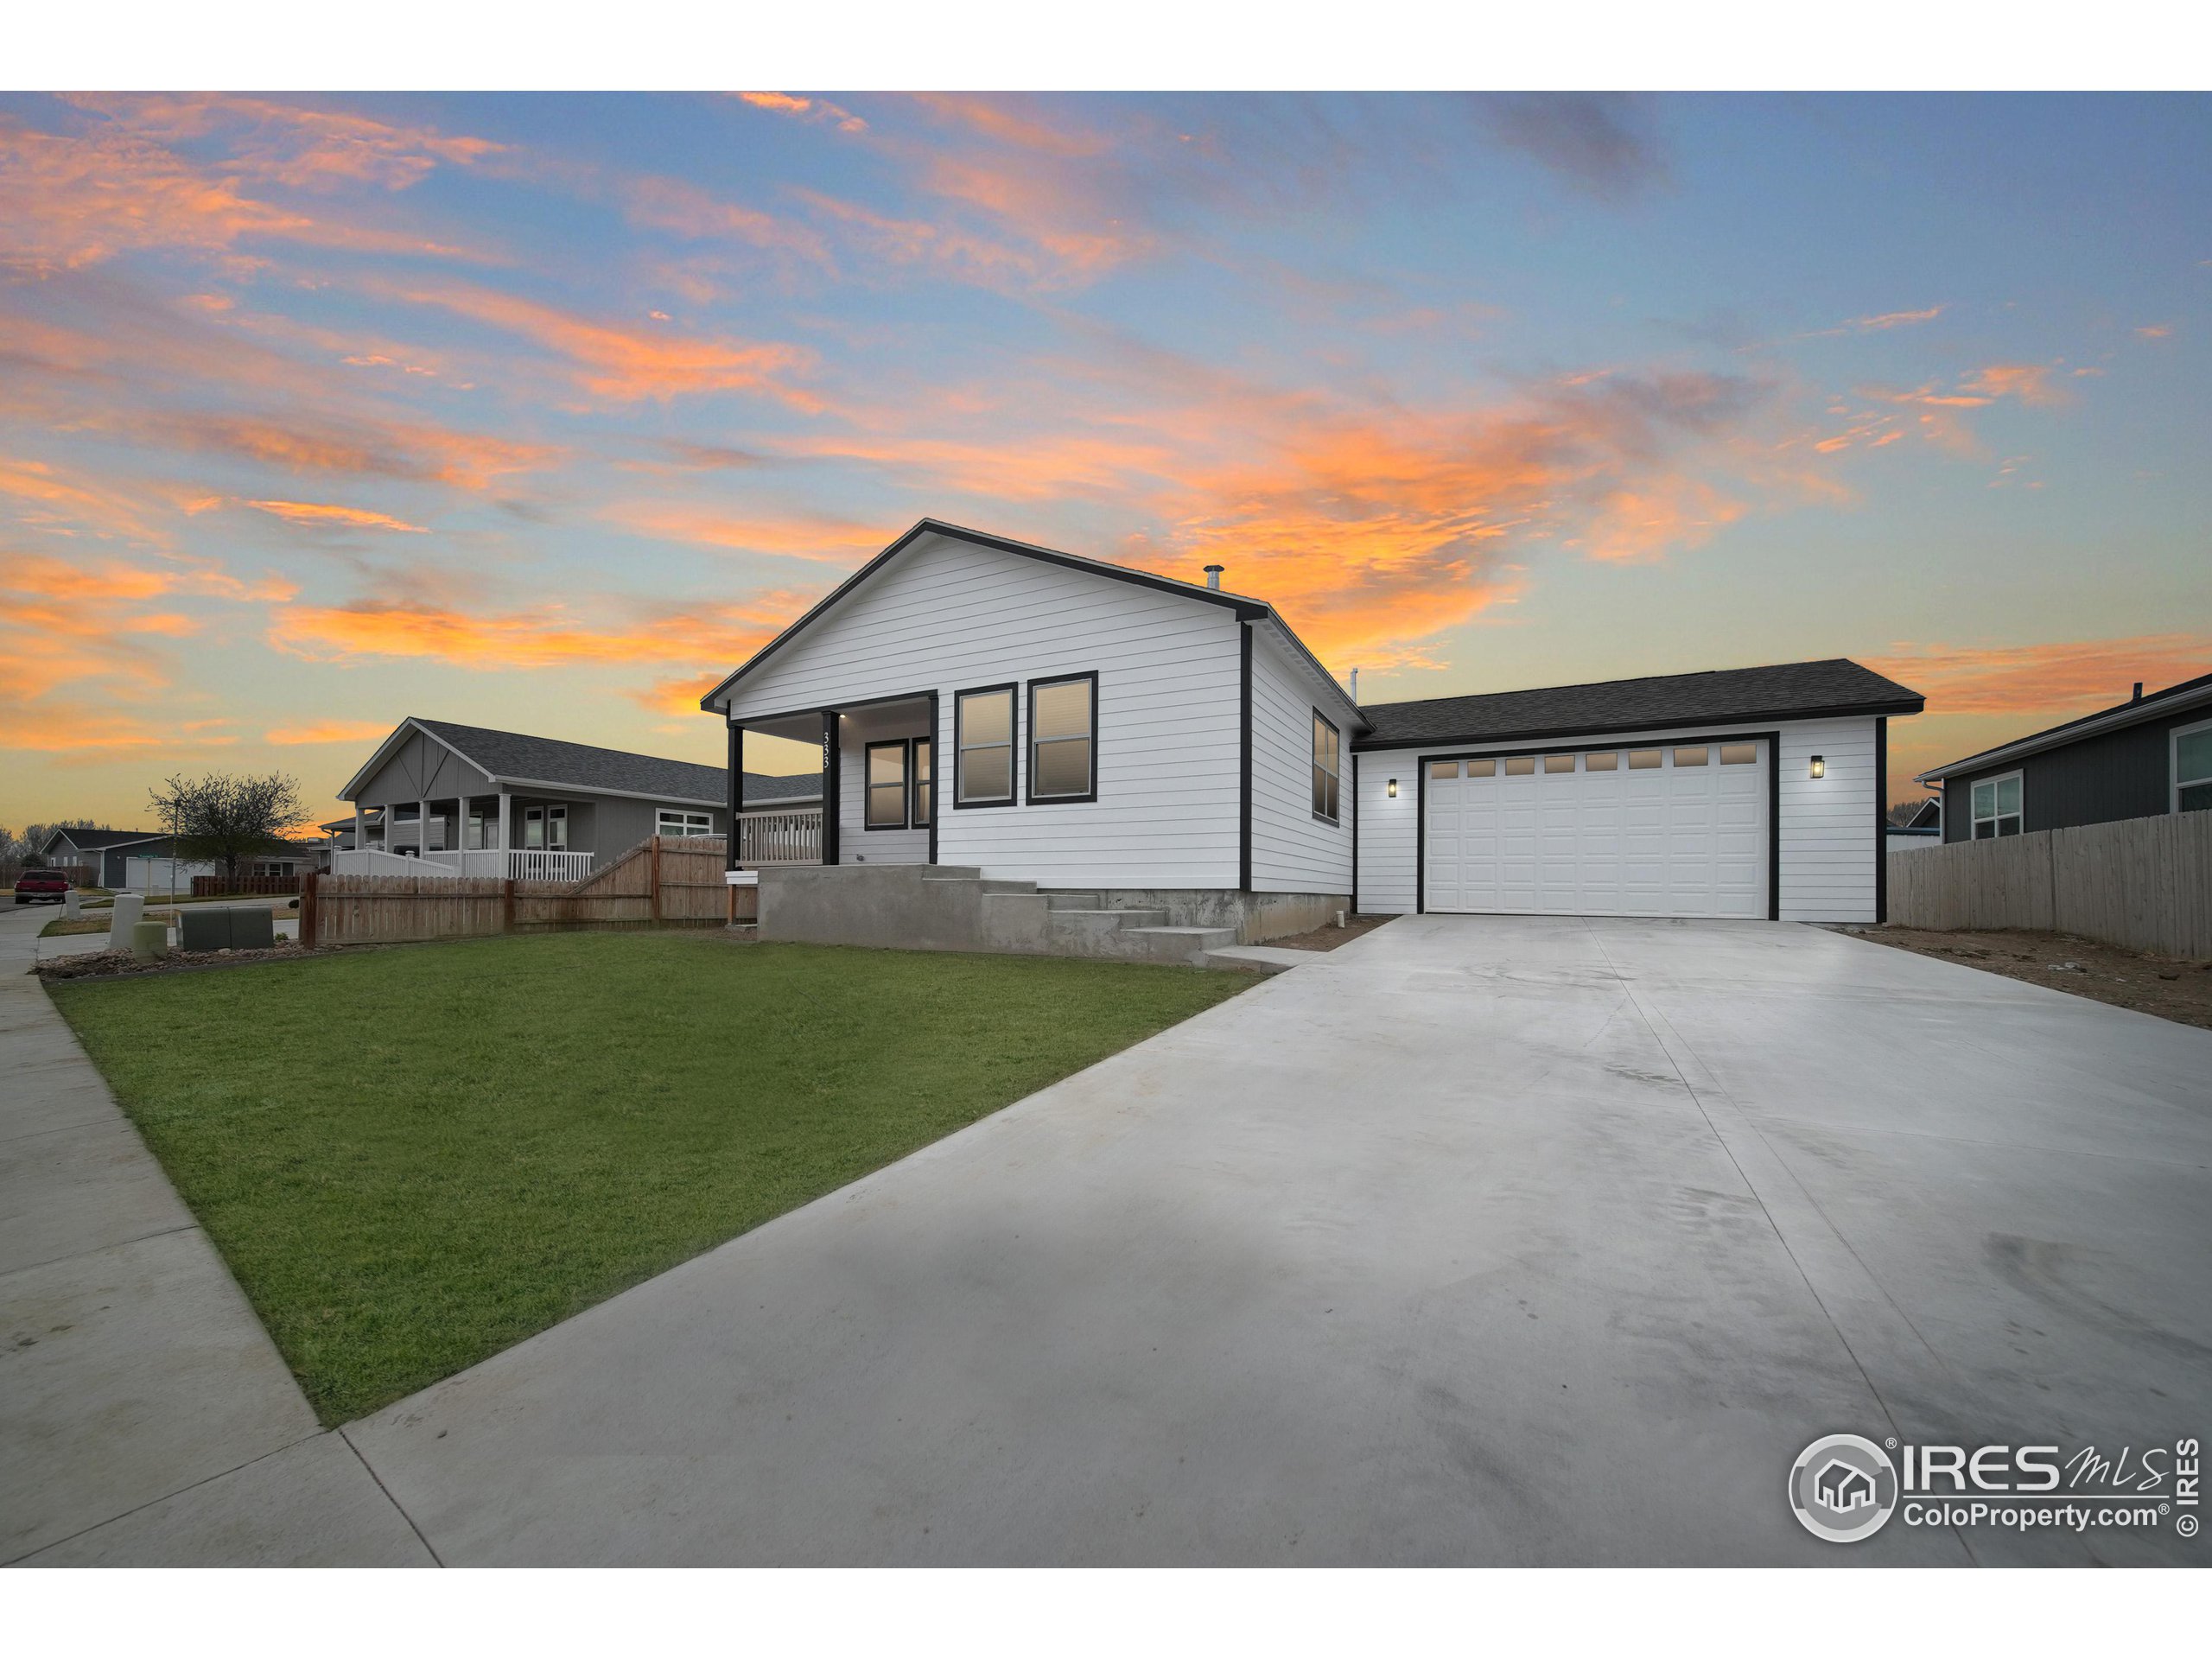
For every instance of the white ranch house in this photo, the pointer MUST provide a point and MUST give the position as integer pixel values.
(1025, 749)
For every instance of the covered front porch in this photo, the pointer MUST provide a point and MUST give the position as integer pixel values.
(510, 837)
(878, 788)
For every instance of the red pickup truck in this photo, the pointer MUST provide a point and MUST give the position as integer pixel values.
(40, 886)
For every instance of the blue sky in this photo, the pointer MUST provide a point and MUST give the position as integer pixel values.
(545, 411)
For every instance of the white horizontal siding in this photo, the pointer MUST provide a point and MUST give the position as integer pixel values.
(948, 615)
(1827, 824)
(1292, 851)
(1829, 839)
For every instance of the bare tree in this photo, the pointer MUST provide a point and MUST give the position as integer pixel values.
(229, 818)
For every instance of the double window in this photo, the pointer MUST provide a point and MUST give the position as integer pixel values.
(2193, 768)
(1062, 743)
(896, 779)
(669, 821)
(1328, 760)
(1996, 807)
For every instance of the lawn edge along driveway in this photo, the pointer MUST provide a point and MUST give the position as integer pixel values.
(414, 1157)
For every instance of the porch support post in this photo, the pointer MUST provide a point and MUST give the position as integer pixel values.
(360, 828)
(736, 791)
(937, 771)
(421, 828)
(505, 834)
(829, 785)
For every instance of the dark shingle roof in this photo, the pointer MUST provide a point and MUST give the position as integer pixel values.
(545, 760)
(1726, 696)
(91, 840)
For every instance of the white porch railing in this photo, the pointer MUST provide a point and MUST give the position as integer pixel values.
(792, 837)
(516, 864)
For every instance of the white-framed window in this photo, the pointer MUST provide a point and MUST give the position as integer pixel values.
(546, 828)
(1328, 760)
(1997, 806)
(667, 820)
(2192, 766)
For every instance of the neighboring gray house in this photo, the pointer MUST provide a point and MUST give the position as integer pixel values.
(2142, 759)
(477, 801)
(100, 851)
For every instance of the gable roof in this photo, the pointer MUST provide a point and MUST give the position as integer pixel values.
(2173, 700)
(1718, 696)
(1248, 609)
(517, 758)
(88, 841)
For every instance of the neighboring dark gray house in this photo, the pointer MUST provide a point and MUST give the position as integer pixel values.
(102, 851)
(484, 801)
(2139, 759)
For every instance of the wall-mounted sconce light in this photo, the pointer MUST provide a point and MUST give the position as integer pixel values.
(1394, 789)
(1820, 767)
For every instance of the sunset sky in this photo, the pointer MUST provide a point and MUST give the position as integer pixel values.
(543, 412)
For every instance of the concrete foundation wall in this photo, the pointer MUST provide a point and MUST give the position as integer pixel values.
(1257, 917)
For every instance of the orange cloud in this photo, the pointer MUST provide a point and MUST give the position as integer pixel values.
(2153, 331)
(2043, 680)
(1895, 319)
(62, 502)
(814, 109)
(951, 251)
(292, 145)
(68, 201)
(833, 540)
(664, 203)
(630, 365)
(467, 461)
(2029, 382)
(327, 731)
(612, 632)
(87, 736)
(316, 515)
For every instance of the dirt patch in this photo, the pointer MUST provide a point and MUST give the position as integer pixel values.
(2172, 990)
(108, 964)
(1328, 938)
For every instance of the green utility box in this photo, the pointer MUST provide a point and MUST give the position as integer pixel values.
(227, 927)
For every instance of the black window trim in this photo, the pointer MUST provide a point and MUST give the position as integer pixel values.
(1336, 732)
(1012, 689)
(915, 820)
(905, 748)
(1031, 798)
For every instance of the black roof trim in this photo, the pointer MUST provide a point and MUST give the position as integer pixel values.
(1831, 688)
(1248, 610)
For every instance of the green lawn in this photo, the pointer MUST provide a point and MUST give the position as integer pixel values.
(413, 1158)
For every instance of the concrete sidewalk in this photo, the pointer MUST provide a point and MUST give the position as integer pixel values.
(145, 1417)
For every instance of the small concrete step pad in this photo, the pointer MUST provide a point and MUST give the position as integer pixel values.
(1059, 900)
(1175, 943)
(1064, 922)
(1260, 958)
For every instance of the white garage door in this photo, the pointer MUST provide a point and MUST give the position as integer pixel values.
(1676, 830)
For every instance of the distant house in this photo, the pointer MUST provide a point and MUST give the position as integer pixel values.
(101, 851)
(473, 800)
(1920, 827)
(2141, 759)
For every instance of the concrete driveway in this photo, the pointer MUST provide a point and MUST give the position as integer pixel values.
(1486, 1240)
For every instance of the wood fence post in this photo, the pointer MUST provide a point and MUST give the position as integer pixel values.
(307, 910)
(507, 905)
(653, 881)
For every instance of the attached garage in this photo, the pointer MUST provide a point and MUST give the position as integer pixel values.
(1663, 829)
(1744, 793)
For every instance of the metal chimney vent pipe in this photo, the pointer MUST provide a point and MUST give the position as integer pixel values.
(1213, 577)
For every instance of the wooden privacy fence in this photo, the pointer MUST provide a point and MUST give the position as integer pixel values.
(663, 880)
(215, 887)
(2142, 883)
